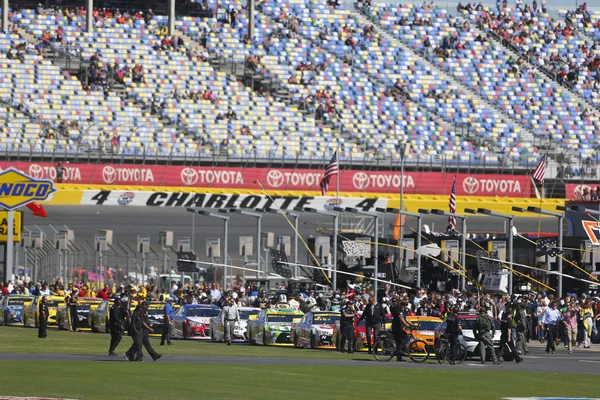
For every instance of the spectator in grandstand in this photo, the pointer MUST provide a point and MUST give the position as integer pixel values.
(230, 114)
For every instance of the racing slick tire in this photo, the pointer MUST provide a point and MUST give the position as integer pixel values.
(313, 341)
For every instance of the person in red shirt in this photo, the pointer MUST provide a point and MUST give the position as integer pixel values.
(104, 293)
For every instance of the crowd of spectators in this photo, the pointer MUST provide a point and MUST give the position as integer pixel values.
(579, 312)
(528, 36)
(323, 104)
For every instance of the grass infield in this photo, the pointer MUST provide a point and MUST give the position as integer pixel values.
(117, 379)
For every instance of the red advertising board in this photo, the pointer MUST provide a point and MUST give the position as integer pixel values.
(435, 183)
(574, 191)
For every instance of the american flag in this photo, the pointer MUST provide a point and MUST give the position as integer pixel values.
(540, 170)
(332, 169)
(452, 206)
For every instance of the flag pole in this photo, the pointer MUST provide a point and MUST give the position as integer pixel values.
(545, 160)
(337, 214)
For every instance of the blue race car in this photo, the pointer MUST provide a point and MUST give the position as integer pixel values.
(11, 308)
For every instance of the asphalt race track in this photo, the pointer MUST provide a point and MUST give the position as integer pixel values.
(128, 222)
(581, 362)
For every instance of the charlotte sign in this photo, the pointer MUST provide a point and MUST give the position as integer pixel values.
(435, 183)
(18, 189)
(217, 201)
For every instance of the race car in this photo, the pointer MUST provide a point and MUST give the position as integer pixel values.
(425, 329)
(84, 307)
(11, 308)
(467, 322)
(315, 330)
(360, 333)
(217, 330)
(31, 312)
(192, 321)
(100, 316)
(273, 326)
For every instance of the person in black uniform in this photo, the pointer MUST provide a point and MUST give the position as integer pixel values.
(135, 331)
(347, 327)
(146, 330)
(506, 326)
(43, 318)
(399, 324)
(71, 301)
(374, 317)
(453, 331)
(116, 326)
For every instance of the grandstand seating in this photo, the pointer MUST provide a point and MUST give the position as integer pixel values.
(368, 122)
(538, 103)
(538, 48)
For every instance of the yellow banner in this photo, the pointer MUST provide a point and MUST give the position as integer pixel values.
(4, 227)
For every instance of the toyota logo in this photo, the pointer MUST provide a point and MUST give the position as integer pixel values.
(470, 185)
(36, 171)
(109, 174)
(189, 176)
(275, 178)
(360, 180)
(579, 189)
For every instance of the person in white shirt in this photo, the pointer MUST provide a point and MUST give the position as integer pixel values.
(215, 294)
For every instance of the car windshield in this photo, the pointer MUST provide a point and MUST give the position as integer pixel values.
(325, 319)
(469, 323)
(247, 314)
(283, 318)
(17, 302)
(426, 325)
(202, 312)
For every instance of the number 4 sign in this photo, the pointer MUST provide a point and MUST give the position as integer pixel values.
(592, 229)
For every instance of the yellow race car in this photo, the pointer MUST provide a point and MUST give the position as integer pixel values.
(85, 305)
(31, 312)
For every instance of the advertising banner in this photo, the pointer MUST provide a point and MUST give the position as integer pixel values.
(429, 183)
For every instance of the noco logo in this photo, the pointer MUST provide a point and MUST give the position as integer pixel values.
(18, 189)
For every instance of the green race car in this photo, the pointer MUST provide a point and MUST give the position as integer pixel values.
(273, 326)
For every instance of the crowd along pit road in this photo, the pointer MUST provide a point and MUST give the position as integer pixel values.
(129, 222)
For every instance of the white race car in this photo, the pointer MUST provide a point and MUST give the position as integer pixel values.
(315, 330)
(467, 322)
(217, 329)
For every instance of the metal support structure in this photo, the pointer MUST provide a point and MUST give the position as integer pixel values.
(334, 215)
(510, 219)
(296, 217)
(251, 15)
(463, 241)
(258, 215)
(375, 216)
(143, 269)
(225, 261)
(171, 17)
(419, 218)
(225, 219)
(89, 16)
(100, 266)
(335, 248)
(10, 221)
(5, 8)
(560, 217)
